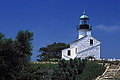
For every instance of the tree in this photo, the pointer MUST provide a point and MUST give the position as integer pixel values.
(7, 58)
(52, 51)
(23, 45)
(14, 54)
(23, 48)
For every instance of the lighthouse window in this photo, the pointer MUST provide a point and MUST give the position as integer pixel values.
(69, 52)
(91, 42)
(76, 50)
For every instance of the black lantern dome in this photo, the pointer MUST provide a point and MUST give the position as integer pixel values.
(84, 22)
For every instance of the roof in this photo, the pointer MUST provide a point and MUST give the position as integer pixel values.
(78, 39)
(82, 38)
(83, 16)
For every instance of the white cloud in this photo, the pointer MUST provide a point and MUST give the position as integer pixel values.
(107, 28)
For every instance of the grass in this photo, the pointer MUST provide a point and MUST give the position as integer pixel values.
(44, 66)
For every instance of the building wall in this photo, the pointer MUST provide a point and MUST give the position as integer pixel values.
(94, 51)
(84, 49)
(85, 43)
(73, 44)
(65, 53)
(82, 33)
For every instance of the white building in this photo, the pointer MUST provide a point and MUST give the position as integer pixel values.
(86, 45)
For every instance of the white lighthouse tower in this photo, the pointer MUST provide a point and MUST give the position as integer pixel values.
(86, 45)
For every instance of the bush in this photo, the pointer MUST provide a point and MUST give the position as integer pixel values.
(43, 66)
(116, 62)
(67, 70)
(38, 71)
(54, 60)
(91, 71)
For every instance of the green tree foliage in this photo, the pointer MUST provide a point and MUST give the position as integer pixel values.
(7, 58)
(52, 51)
(31, 73)
(91, 71)
(14, 54)
(23, 45)
(67, 70)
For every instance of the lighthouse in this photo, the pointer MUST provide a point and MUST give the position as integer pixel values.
(84, 28)
(86, 45)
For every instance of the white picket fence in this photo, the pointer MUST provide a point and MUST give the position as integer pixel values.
(111, 59)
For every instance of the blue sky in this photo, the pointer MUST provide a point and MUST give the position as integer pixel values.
(56, 20)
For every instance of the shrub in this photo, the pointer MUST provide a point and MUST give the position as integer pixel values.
(67, 70)
(91, 71)
(54, 60)
(42, 71)
(116, 62)
(44, 66)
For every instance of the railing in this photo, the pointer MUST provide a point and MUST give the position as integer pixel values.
(89, 27)
(108, 68)
(103, 73)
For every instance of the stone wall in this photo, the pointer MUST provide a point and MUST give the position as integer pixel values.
(94, 51)
(84, 48)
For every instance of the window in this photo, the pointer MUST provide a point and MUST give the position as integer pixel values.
(91, 42)
(75, 50)
(69, 52)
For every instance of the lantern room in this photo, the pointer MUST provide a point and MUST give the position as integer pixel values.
(84, 22)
